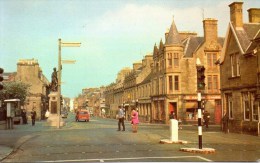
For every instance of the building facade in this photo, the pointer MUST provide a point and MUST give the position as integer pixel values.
(174, 76)
(239, 67)
(29, 72)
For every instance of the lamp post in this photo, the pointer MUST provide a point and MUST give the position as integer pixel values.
(62, 44)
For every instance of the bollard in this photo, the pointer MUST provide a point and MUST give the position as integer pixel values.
(174, 130)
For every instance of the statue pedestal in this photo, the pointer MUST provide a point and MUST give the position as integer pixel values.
(53, 117)
(53, 120)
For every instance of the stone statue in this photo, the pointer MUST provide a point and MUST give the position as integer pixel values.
(54, 81)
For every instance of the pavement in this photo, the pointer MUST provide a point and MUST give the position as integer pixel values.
(11, 140)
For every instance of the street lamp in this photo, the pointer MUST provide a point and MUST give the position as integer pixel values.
(62, 44)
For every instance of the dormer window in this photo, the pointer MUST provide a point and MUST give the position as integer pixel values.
(211, 60)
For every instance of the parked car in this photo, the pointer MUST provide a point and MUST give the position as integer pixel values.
(82, 115)
(64, 114)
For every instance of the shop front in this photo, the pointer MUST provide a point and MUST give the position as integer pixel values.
(158, 108)
(211, 103)
(145, 109)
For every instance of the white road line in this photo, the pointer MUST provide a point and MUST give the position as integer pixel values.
(132, 158)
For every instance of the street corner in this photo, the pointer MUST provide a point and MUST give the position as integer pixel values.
(22, 140)
(5, 151)
(168, 141)
(197, 150)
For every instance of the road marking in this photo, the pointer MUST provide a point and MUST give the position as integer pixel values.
(132, 158)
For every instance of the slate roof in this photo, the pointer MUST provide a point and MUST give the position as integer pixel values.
(245, 37)
(191, 44)
(173, 35)
(246, 34)
(254, 43)
(147, 79)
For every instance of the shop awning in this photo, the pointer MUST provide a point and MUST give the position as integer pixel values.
(190, 105)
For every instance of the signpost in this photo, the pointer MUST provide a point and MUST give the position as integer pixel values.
(62, 44)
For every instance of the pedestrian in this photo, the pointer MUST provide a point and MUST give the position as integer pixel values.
(135, 120)
(172, 115)
(24, 116)
(225, 123)
(121, 118)
(33, 116)
(206, 117)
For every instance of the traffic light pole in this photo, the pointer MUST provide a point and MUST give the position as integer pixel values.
(199, 120)
(59, 85)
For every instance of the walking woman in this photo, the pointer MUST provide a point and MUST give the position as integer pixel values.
(135, 120)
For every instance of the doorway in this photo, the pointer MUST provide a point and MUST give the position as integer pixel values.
(173, 107)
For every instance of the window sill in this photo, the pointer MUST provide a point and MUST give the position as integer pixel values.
(235, 77)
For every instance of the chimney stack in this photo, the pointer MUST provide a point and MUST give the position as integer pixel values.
(210, 29)
(236, 14)
(137, 65)
(254, 15)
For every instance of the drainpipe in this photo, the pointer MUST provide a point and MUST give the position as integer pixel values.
(258, 128)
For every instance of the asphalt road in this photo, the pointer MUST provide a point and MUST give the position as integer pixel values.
(99, 141)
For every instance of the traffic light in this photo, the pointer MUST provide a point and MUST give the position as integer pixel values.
(1, 78)
(200, 78)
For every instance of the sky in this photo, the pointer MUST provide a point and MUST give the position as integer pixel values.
(113, 33)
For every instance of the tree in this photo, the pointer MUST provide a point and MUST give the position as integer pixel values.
(15, 90)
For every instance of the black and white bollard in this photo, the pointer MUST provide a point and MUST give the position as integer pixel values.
(199, 121)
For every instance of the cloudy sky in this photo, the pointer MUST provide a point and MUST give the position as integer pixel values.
(113, 33)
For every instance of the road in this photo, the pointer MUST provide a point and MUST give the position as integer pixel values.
(99, 141)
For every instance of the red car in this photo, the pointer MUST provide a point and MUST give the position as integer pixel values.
(82, 115)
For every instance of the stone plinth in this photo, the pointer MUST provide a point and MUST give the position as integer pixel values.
(53, 117)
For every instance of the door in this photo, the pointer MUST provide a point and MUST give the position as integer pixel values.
(218, 112)
(173, 107)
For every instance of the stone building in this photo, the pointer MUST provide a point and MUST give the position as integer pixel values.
(144, 88)
(137, 88)
(167, 80)
(239, 69)
(114, 93)
(174, 79)
(29, 71)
